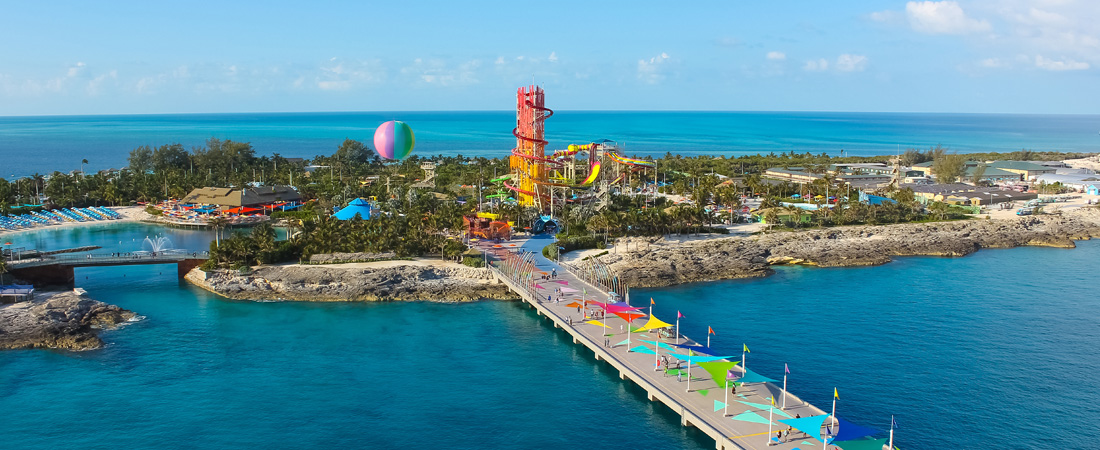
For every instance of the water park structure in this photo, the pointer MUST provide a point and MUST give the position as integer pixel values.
(579, 170)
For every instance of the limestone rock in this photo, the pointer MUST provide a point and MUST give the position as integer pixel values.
(657, 262)
(61, 321)
(332, 283)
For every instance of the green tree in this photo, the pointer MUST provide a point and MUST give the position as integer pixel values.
(141, 159)
(976, 177)
(948, 168)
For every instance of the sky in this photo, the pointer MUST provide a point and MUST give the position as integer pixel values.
(145, 57)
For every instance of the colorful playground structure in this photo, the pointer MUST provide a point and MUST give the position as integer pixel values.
(488, 226)
(580, 171)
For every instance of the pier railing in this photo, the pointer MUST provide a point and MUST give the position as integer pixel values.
(92, 259)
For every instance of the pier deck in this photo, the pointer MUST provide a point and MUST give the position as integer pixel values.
(696, 407)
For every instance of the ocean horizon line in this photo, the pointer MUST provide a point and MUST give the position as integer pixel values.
(639, 111)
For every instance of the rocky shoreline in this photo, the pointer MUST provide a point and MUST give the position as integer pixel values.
(65, 320)
(390, 281)
(652, 262)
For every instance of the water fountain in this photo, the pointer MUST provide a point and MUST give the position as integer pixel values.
(157, 245)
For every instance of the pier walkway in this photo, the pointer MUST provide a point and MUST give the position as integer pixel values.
(57, 270)
(703, 406)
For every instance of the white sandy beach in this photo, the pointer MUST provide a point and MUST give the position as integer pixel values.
(128, 213)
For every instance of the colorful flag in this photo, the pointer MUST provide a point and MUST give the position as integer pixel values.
(711, 331)
(835, 395)
(893, 422)
(786, 369)
(773, 400)
(691, 353)
(746, 348)
(651, 302)
(679, 315)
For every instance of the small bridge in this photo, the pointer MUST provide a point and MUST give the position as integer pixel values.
(52, 270)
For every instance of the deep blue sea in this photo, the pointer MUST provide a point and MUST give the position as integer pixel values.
(48, 143)
(993, 350)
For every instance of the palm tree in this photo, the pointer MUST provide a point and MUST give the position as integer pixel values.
(796, 215)
(218, 223)
(82, 163)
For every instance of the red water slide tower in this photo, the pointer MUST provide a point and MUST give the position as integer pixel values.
(528, 159)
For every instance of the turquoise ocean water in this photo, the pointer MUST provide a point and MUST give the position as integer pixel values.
(45, 144)
(994, 350)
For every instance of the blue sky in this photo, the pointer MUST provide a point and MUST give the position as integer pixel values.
(120, 57)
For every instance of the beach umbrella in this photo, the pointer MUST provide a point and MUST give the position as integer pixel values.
(394, 140)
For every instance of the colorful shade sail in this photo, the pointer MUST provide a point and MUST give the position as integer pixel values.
(765, 407)
(809, 425)
(654, 323)
(657, 344)
(753, 377)
(718, 370)
(751, 417)
(699, 358)
(629, 317)
(617, 309)
(847, 431)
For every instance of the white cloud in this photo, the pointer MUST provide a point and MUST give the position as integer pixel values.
(652, 71)
(776, 56)
(817, 65)
(884, 16)
(851, 63)
(992, 63)
(944, 17)
(95, 85)
(1066, 27)
(340, 75)
(553, 57)
(1068, 64)
(75, 70)
(440, 73)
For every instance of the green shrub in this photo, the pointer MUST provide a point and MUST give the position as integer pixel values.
(570, 243)
(152, 210)
(300, 215)
(473, 261)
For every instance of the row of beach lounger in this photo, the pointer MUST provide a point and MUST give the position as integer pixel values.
(57, 216)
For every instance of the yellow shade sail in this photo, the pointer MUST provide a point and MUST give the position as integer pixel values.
(654, 323)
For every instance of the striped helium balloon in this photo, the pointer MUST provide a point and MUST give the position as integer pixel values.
(394, 140)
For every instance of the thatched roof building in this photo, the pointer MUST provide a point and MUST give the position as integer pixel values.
(242, 197)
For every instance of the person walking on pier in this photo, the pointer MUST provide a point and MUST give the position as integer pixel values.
(553, 273)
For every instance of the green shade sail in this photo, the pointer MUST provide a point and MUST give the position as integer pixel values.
(718, 370)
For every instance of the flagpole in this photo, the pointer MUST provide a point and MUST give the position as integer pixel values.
(832, 420)
(708, 340)
(744, 367)
(891, 432)
(689, 371)
(657, 352)
(770, 409)
(726, 409)
(784, 407)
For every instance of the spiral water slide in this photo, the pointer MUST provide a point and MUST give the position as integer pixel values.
(631, 161)
(516, 151)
